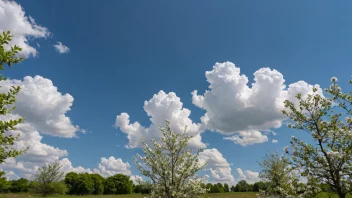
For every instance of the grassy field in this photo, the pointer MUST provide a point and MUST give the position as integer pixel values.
(217, 195)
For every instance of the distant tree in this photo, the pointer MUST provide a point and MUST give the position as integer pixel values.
(216, 189)
(232, 189)
(260, 186)
(328, 120)
(98, 181)
(143, 187)
(226, 188)
(221, 187)
(8, 56)
(249, 188)
(4, 184)
(20, 185)
(85, 184)
(209, 187)
(171, 166)
(118, 184)
(241, 186)
(71, 180)
(48, 180)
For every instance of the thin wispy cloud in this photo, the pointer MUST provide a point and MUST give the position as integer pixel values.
(61, 48)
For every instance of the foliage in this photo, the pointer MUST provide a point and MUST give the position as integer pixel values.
(226, 188)
(4, 184)
(171, 166)
(260, 186)
(84, 183)
(20, 185)
(98, 181)
(143, 187)
(118, 184)
(48, 180)
(281, 179)
(7, 100)
(328, 121)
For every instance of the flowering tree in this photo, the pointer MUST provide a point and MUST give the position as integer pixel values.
(171, 166)
(328, 121)
(276, 171)
(283, 180)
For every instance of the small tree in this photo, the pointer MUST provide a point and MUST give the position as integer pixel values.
(328, 121)
(171, 166)
(226, 188)
(118, 184)
(275, 170)
(48, 180)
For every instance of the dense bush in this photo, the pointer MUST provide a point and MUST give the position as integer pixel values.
(85, 184)
(118, 184)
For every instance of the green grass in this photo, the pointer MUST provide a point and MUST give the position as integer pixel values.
(215, 195)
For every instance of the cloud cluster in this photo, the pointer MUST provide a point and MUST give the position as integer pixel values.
(245, 138)
(233, 107)
(111, 166)
(38, 153)
(249, 176)
(61, 48)
(44, 109)
(163, 106)
(219, 168)
(43, 106)
(24, 28)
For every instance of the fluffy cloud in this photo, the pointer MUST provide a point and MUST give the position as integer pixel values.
(245, 138)
(11, 176)
(136, 178)
(43, 106)
(111, 166)
(24, 28)
(220, 170)
(37, 154)
(24, 166)
(67, 167)
(250, 176)
(274, 141)
(61, 48)
(234, 107)
(161, 107)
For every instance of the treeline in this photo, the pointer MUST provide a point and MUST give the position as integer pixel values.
(241, 186)
(87, 184)
(83, 184)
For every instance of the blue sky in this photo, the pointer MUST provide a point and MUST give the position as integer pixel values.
(121, 53)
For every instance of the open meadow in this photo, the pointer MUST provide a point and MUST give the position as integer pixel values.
(213, 195)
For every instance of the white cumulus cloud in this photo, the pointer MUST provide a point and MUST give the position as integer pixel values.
(274, 141)
(111, 166)
(163, 106)
(43, 106)
(61, 48)
(249, 176)
(245, 138)
(219, 168)
(24, 28)
(136, 178)
(232, 106)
